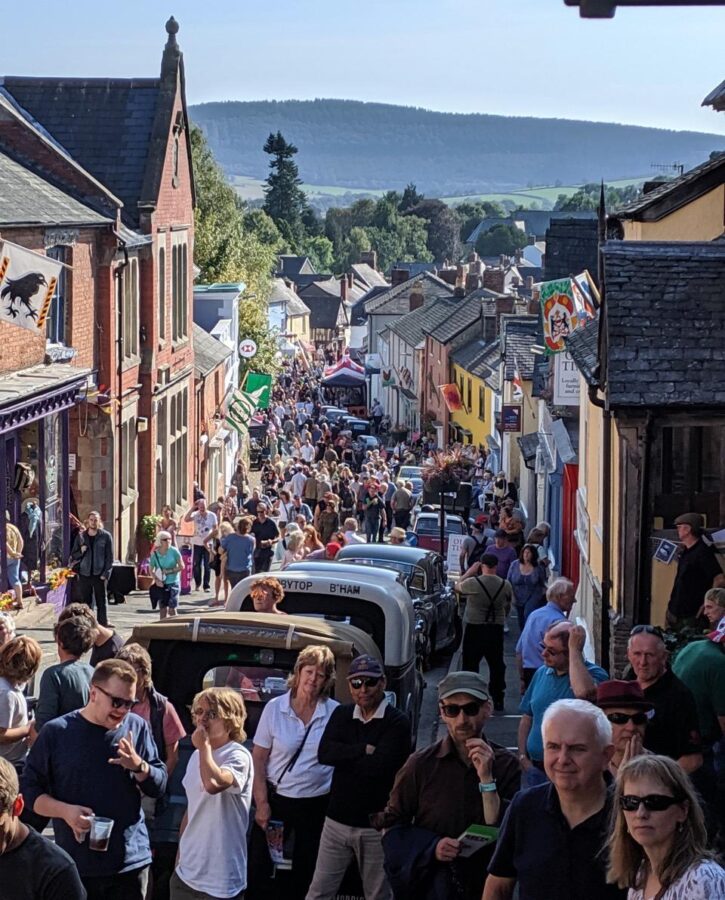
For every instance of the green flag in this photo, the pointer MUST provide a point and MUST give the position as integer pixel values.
(241, 409)
(255, 381)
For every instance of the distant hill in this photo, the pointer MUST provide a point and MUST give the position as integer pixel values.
(348, 144)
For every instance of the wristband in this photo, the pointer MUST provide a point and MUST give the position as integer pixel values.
(487, 788)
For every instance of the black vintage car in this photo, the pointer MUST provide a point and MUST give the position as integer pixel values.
(433, 598)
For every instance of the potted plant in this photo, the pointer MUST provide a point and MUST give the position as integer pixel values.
(145, 536)
(444, 473)
(144, 578)
(58, 587)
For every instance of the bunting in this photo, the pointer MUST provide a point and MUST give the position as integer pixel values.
(241, 409)
(518, 383)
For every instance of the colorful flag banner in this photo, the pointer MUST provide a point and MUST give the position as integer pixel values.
(389, 377)
(586, 294)
(27, 284)
(518, 383)
(451, 397)
(256, 381)
(241, 408)
(559, 313)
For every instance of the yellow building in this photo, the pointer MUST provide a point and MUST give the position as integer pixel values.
(474, 424)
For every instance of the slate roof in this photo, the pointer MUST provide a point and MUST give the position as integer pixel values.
(465, 313)
(583, 345)
(412, 327)
(716, 98)
(665, 323)
(304, 281)
(369, 276)
(672, 195)
(518, 337)
(290, 266)
(491, 360)
(475, 357)
(281, 293)
(358, 315)
(571, 246)
(208, 351)
(432, 285)
(27, 199)
(105, 124)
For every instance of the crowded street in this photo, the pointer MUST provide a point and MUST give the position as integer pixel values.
(359, 543)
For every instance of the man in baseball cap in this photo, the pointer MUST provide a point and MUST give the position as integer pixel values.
(697, 567)
(628, 712)
(461, 780)
(365, 742)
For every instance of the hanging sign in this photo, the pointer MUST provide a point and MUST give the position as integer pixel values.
(559, 313)
(247, 348)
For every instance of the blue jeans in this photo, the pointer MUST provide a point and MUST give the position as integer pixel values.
(13, 572)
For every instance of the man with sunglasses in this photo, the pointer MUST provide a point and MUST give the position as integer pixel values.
(365, 742)
(628, 712)
(100, 760)
(462, 780)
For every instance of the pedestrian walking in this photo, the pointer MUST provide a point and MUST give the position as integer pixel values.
(204, 522)
(92, 560)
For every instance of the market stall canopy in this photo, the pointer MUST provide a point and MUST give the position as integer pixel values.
(344, 373)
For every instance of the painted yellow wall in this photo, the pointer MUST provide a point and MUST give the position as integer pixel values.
(470, 420)
(701, 220)
(299, 326)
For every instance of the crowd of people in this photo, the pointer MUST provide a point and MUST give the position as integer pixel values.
(615, 789)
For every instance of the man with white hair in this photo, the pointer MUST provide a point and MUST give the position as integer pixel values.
(552, 835)
(560, 599)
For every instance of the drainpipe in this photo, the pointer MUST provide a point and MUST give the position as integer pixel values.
(119, 358)
(606, 501)
(643, 600)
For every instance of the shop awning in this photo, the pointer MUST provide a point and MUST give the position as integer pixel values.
(33, 393)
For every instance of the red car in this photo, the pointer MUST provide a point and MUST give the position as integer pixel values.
(427, 529)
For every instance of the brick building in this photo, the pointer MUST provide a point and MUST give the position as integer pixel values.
(123, 146)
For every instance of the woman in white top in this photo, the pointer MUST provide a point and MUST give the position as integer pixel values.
(290, 785)
(657, 845)
(294, 551)
(212, 860)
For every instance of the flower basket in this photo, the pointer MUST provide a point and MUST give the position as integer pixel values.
(144, 578)
(444, 473)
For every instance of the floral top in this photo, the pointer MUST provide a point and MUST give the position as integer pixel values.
(703, 881)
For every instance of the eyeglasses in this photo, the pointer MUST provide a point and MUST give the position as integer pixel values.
(652, 802)
(204, 714)
(357, 683)
(453, 710)
(639, 718)
(117, 702)
(551, 651)
(647, 629)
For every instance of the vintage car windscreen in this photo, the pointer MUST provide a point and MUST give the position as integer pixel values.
(433, 526)
(347, 604)
(414, 576)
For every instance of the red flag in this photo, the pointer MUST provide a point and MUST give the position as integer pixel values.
(451, 397)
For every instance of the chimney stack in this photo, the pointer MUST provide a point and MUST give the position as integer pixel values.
(417, 297)
(343, 288)
(529, 282)
(398, 276)
(350, 279)
(493, 279)
(370, 258)
(533, 308)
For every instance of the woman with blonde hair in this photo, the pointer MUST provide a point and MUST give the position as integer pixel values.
(212, 859)
(657, 845)
(19, 661)
(294, 551)
(289, 782)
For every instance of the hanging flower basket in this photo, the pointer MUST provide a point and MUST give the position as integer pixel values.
(444, 473)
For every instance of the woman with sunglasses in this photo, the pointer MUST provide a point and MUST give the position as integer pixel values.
(657, 846)
(628, 711)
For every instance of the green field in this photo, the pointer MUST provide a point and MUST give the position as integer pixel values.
(545, 196)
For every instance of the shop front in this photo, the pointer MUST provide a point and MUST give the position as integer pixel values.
(35, 467)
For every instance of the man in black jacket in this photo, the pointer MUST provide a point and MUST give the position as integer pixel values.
(366, 742)
(92, 557)
(697, 567)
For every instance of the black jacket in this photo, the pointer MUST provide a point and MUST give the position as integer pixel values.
(98, 561)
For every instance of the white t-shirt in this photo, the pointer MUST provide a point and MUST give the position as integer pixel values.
(213, 847)
(703, 881)
(13, 714)
(307, 452)
(352, 537)
(281, 732)
(203, 524)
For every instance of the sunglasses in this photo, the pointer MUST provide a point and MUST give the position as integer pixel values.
(647, 629)
(117, 702)
(652, 802)
(639, 718)
(357, 683)
(453, 710)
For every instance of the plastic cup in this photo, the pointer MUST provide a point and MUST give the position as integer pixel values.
(100, 833)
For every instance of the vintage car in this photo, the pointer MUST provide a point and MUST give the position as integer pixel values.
(433, 598)
(250, 652)
(374, 601)
(427, 530)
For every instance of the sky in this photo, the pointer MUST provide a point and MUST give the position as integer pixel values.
(649, 66)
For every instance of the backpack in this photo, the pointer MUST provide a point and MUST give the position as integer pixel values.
(478, 551)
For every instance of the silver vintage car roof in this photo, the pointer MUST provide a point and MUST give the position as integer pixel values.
(381, 587)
